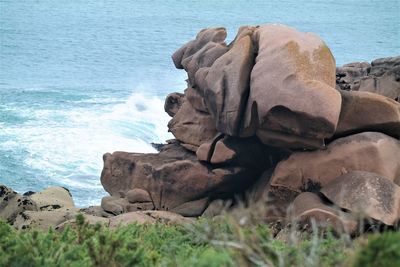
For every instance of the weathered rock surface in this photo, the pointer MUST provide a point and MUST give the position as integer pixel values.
(145, 217)
(289, 141)
(114, 204)
(120, 167)
(291, 69)
(167, 217)
(117, 205)
(138, 195)
(12, 204)
(382, 76)
(215, 208)
(261, 84)
(129, 218)
(173, 103)
(44, 219)
(309, 209)
(196, 100)
(201, 52)
(174, 179)
(364, 111)
(368, 151)
(53, 198)
(191, 126)
(89, 219)
(96, 211)
(227, 84)
(367, 194)
(249, 152)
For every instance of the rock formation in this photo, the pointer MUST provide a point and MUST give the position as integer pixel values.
(262, 115)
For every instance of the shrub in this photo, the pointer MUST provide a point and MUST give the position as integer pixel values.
(380, 250)
(203, 243)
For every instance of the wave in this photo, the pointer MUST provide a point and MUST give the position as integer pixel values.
(65, 146)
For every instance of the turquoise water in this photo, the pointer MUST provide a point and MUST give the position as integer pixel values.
(81, 78)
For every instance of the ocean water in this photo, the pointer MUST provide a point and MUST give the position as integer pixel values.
(81, 78)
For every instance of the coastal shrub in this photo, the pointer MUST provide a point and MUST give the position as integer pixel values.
(88, 245)
(380, 250)
(203, 243)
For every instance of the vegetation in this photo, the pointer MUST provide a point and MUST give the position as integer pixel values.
(204, 243)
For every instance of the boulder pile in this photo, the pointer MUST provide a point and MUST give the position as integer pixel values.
(270, 115)
(381, 76)
(267, 118)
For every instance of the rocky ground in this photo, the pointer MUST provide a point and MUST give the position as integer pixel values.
(267, 120)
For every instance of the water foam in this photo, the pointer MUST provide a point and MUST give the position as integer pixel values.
(65, 146)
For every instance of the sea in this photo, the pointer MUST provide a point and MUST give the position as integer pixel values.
(82, 78)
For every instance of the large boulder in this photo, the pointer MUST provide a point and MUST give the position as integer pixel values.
(226, 84)
(368, 151)
(174, 179)
(367, 194)
(121, 168)
(364, 111)
(292, 86)
(54, 197)
(382, 76)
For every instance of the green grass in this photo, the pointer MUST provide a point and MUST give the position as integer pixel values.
(204, 243)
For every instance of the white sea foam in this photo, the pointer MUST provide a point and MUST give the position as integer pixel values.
(66, 145)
